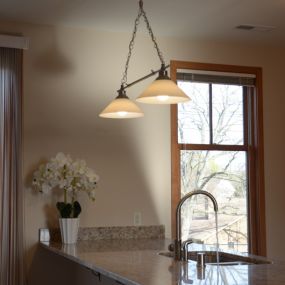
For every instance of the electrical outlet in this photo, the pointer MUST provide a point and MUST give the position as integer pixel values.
(137, 218)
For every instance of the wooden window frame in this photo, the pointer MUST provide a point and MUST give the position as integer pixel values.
(255, 150)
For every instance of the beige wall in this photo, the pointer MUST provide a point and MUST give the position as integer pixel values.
(71, 74)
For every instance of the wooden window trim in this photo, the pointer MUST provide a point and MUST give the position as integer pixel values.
(256, 199)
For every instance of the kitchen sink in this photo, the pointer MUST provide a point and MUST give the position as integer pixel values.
(222, 258)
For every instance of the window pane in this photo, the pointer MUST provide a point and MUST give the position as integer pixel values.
(193, 116)
(223, 174)
(227, 114)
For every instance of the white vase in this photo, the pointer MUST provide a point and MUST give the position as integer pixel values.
(69, 230)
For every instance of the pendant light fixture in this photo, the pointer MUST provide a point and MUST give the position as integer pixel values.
(162, 91)
(122, 108)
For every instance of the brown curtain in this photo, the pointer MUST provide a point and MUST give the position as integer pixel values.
(11, 195)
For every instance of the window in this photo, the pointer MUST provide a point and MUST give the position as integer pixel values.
(217, 147)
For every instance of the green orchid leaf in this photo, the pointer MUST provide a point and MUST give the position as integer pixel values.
(65, 209)
(76, 209)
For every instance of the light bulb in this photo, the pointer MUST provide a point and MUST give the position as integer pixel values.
(122, 113)
(162, 98)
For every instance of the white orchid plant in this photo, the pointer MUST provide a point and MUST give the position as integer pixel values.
(73, 176)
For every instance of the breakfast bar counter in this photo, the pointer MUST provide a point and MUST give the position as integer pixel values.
(138, 262)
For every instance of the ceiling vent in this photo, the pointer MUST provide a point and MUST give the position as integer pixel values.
(255, 28)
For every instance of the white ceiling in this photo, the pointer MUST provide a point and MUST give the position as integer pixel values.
(194, 19)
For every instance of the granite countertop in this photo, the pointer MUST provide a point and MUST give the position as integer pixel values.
(137, 262)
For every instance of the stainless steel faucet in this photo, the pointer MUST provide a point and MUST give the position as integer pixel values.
(180, 250)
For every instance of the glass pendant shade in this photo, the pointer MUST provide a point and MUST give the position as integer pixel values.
(122, 108)
(163, 91)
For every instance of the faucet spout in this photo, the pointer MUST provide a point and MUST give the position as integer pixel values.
(178, 243)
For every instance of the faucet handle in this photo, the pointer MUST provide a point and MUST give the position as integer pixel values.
(171, 247)
(185, 248)
(196, 240)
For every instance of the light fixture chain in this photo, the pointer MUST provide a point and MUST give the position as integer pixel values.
(152, 36)
(131, 46)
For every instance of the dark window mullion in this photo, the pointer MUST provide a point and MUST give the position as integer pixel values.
(246, 142)
(211, 113)
(246, 116)
(213, 147)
